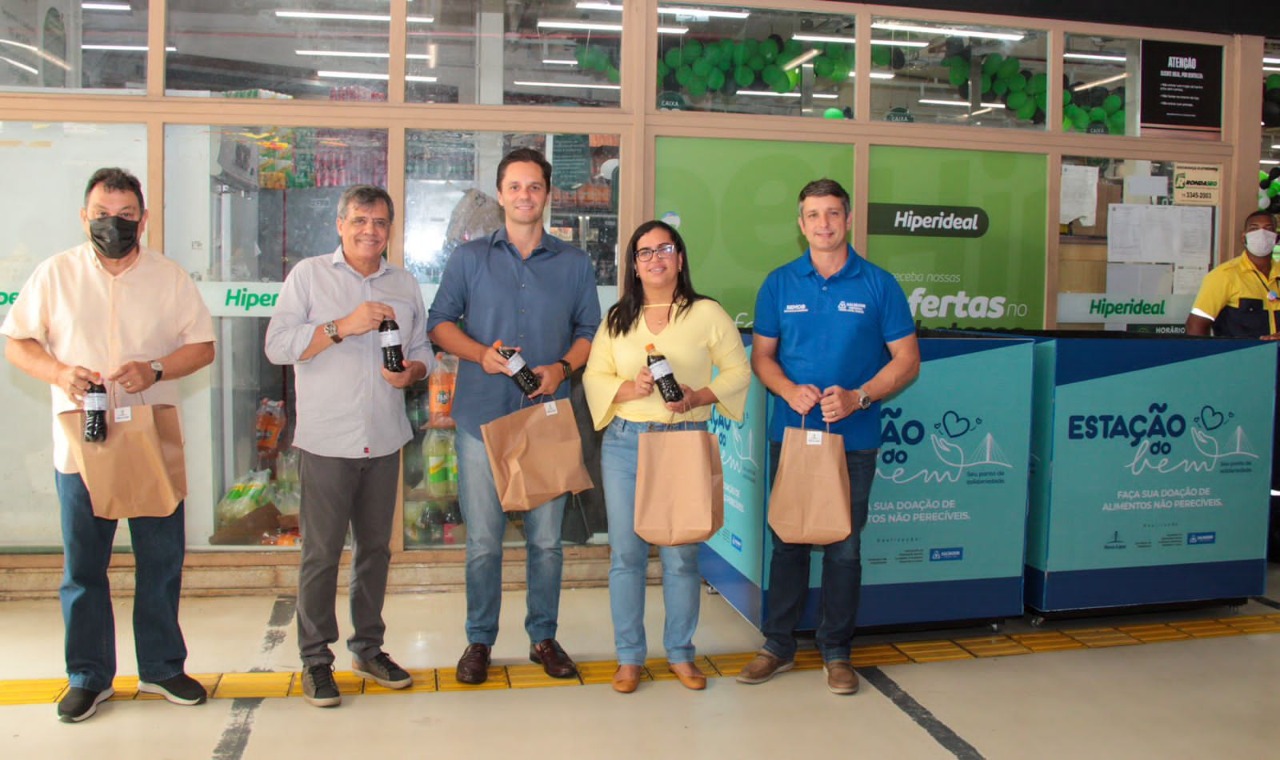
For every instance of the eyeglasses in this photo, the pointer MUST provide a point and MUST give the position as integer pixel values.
(664, 251)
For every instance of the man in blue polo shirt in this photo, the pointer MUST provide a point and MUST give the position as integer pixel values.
(833, 336)
(531, 291)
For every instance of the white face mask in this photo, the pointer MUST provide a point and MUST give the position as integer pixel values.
(1260, 242)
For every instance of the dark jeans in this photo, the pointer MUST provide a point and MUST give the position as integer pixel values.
(841, 574)
(159, 545)
(337, 493)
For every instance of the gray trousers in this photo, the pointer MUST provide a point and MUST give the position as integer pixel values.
(338, 492)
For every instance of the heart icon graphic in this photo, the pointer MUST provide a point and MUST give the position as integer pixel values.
(954, 425)
(1211, 418)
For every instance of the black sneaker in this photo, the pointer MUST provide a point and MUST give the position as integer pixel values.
(182, 689)
(318, 686)
(383, 670)
(80, 704)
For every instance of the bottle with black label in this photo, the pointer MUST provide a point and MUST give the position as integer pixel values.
(524, 378)
(663, 377)
(95, 413)
(392, 351)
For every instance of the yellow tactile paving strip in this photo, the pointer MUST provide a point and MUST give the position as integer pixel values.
(530, 676)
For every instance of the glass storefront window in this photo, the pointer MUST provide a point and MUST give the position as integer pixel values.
(1269, 162)
(279, 49)
(1100, 85)
(74, 46)
(959, 74)
(450, 189)
(551, 53)
(242, 207)
(54, 161)
(1133, 235)
(758, 61)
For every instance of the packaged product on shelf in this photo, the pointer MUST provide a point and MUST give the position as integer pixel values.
(267, 428)
(440, 386)
(244, 496)
(288, 492)
(442, 464)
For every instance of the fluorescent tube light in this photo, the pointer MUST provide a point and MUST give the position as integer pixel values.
(1094, 57)
(559, 61)
(702, 13)
(23, 66)
(851, 40)
(1098, 83)
(960, 103)
(590, 26)
(569, 85)
(351, 75)
(330, 16)
(948, 31)
(126, 48)
(106, 7)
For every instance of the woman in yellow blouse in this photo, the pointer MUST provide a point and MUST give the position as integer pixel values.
(658, 306)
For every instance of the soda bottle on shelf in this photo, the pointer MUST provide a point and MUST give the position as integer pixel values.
(392, 349)
(434, 519)
(663, 377)
(95, 413)
(440, 387)
(439, 444)
(452, 519)
(523, 377)
(451, 465)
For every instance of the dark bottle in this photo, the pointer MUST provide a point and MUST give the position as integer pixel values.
(95, 413)
(392, 352)
(524, 378)
(663, 377)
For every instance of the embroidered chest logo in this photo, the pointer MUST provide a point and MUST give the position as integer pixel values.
(795, 308)
(851, 307)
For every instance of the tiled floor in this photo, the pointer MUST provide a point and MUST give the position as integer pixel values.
(1192, 684)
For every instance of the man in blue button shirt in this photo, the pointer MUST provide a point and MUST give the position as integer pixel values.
(833, 333)
(534, 292)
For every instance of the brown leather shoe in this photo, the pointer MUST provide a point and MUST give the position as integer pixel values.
(764, 667)
(841, 677)
(627, 678)
(552, 658)
(473, 666)
(689, 675)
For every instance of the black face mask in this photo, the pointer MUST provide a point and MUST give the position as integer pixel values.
(112, 236)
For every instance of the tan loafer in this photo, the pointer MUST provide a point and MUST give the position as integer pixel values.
(626, 678)
(689, 675)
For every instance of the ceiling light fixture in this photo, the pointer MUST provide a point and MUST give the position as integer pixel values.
(126, 48)
(1094, 57)
(559, 61)
(106, 7)
(1098, 83)
(589, 26)
(351, 75)
(699, 13)
(948, 31)
(851, 40)
(39, 53)
(23, 66)
(328, 16)
(960, 103)
(569, 85)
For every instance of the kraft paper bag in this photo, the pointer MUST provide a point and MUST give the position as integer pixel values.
(809, 503)
(139, 470)
(535, 455)
(679, 487)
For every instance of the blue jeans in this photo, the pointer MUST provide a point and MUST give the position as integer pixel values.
(159, 545)
(841, 574)
(486, 523)
(629, 555)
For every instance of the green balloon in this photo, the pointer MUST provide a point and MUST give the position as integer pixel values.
(1273, 190)
(697, 87)
(1042, 101)
(781, 84)
(1115, 123)
(986, 83)
(822, 67)
(1066, 97)
(839, 71)
(1039, 83)
(701, 67)
(715, 79)
(792, 49)
(692, 50)
(881, 56)
(1112, 103)
(663, 70)
(958, 76)
(1000, 87)
(1016, 100)
(1081, 119)
(683, 75)
(756, 62)
(752, 46)
(711, 54)
(1009, 67)
(1273, 81)
(673, 58)
(991, 64)
(613, 75)
(739, 53)
(1017, 83)
(1097, 114)
(581, 54)
(1067, 125)
(1027, 110)
(769, 50)
(833, 113)
(744, 76)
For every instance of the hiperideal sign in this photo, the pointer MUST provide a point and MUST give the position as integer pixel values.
(926, 221)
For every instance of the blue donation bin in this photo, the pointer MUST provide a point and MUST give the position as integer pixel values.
(1151, 471)
(944, 538)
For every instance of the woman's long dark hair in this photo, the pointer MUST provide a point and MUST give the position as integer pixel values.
(625, 314)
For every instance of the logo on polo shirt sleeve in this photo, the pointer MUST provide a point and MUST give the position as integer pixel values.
(795, 308)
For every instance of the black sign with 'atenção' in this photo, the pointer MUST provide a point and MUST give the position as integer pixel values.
(1181, 85)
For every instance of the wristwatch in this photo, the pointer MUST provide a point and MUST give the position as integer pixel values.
(331, 330)
(864, 400)
(568, 368)
(158, 368)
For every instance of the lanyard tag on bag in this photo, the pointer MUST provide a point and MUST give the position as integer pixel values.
(123, 413)
(813, 437)
(550, 409)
